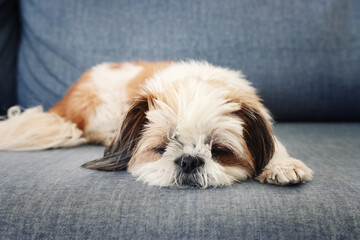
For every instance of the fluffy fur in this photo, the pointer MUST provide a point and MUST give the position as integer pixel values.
(184, 124)
(22, 131)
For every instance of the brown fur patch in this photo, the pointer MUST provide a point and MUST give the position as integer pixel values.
(81, 99)
(115, 65)
(79, 102)
(132, 125)
(146, 149)
(258, 136)
(118, 154)
(230, 160)
(149, 68)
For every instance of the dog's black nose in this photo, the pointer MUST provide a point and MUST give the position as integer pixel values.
(189, 163)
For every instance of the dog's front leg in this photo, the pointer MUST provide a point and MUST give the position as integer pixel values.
(283, 169)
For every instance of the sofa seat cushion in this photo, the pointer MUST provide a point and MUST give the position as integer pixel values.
(47, 195)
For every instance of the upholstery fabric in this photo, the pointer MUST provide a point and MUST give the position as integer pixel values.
(46, 195)
(9, 41)
(303, 56)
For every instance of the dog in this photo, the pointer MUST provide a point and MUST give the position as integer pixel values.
(184, 124)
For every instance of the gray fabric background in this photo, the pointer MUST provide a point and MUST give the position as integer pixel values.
(46, 195)
(302, 56)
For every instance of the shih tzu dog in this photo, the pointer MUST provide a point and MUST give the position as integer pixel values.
(184, 124)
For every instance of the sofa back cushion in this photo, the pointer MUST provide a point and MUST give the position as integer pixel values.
(302, 56)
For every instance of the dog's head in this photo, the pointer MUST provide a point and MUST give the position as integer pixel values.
(203, 129)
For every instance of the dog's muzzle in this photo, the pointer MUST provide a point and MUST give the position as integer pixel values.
(189, 169)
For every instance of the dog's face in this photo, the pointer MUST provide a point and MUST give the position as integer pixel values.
(189, 131)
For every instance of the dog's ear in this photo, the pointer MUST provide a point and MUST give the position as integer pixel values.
(118, 154)
(258, 135)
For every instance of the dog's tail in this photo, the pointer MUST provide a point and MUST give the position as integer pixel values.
(35, 129)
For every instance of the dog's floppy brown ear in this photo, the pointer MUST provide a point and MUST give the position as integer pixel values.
(118, 154)
(258, 135)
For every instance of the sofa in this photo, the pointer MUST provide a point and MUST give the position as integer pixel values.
(302, 56)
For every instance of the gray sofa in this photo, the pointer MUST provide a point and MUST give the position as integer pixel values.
(303, 57)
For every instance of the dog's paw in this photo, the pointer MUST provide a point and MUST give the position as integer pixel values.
(292, 171)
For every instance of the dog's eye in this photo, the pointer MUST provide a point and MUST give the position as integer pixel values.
(218, 152)
(160, 150)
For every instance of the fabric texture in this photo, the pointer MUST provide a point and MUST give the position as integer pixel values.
(9, 41)
(302, 56)
(47, 195)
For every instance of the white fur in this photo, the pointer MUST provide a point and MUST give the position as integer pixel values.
(110, 84)
(199, 70)
(283, 169)
(196, 115)
(191, 111)
(37, 130)
(164, 172)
